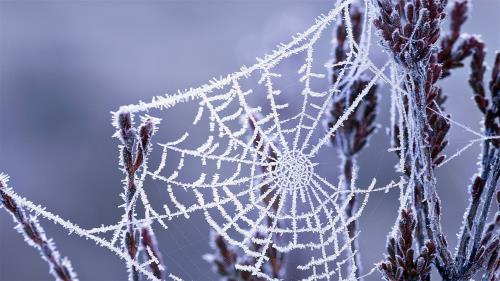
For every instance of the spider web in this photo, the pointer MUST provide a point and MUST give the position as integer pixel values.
(239, 186)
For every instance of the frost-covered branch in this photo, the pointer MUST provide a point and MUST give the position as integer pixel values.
(452, 55)
(151, 250)
(277, 260)
(34, 235)
(354, 135)
(224, 259)
(134, 151)
(410, 30)
(485, 184)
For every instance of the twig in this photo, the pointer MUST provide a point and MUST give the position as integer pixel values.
(134, 151)
(489, 163)
(354, 135)
(151, 245)
(410, 31)
(451, 56)
(403, 31)
(35, 236)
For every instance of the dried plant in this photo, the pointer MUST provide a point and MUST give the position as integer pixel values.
(484, 186)
(402, 264)
(411, 31)
(359, 126)
(152, 251)
(34, 235)
(134, 151)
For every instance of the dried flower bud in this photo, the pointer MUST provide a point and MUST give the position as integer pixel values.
(124, 120)
(145, 132)
(477, 187)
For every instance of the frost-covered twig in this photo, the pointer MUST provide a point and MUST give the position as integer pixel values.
(451, 55)
(354, 135)
(134, 150)
(35, 236)
(490, 238)
(410, 30)
(151, 249)
(489, 164)
(225, 258)
(131, 238)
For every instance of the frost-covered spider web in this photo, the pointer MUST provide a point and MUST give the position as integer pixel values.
(256, 159)
(248, 159)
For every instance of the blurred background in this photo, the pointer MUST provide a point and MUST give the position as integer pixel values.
(64, 65)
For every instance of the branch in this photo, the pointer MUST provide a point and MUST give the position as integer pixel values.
(151, 245)
(409, 31)
(34, 235)
(354, 135)
(451, 56)
(490, 163)
(134, 151)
